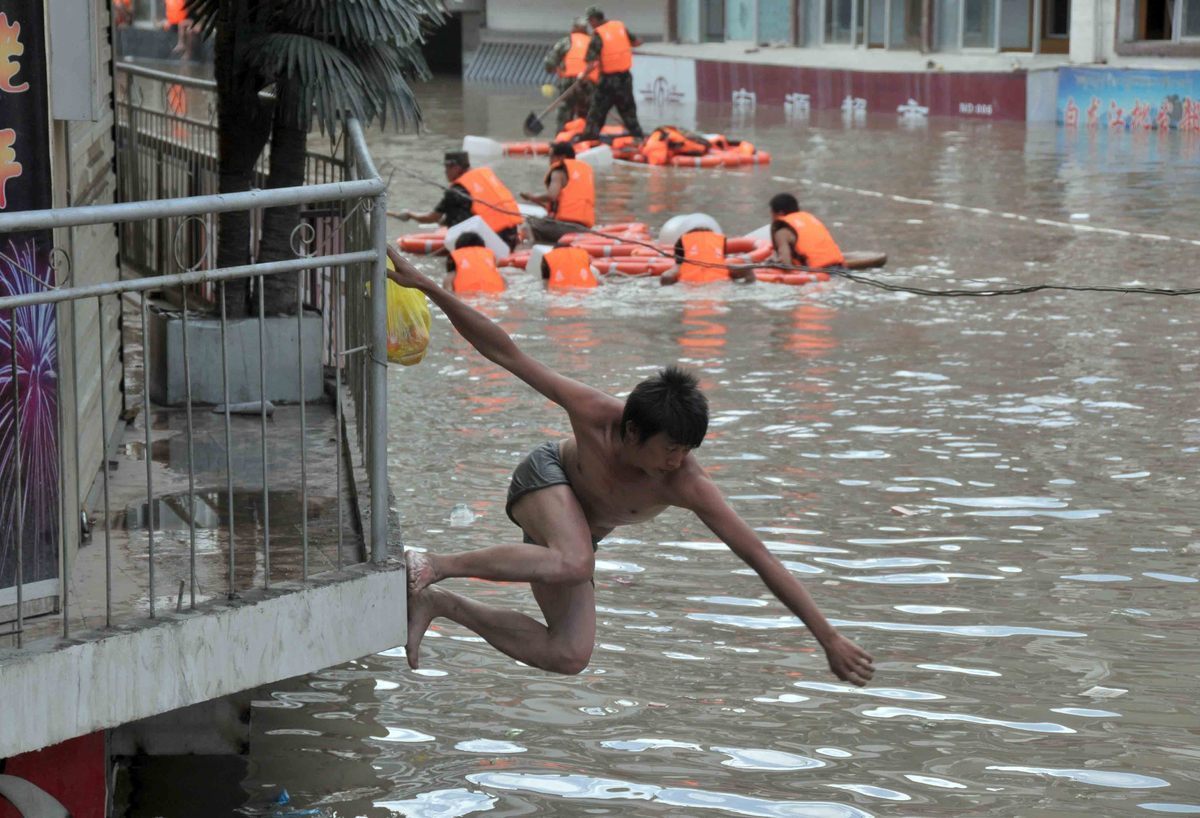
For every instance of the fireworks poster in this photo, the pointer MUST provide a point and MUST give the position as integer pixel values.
(28, 344)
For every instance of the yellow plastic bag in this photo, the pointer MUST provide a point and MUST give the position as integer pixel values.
(408, 323)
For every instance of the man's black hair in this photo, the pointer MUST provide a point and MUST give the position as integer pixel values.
(469, 239)
(670, 402)
(783, 203)
(564, 149)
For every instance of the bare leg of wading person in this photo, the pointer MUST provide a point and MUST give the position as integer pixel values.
(559, 574)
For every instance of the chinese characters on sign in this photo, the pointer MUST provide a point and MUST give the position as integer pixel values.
(10, 50)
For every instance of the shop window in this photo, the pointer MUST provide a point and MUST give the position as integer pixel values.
(1168, 20)
(978, 24)
(841, 18)
(713, 16)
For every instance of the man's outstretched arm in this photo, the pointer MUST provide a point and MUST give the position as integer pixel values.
(848, 661)
(493, 343)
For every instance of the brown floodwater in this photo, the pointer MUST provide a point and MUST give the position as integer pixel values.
(996, 496)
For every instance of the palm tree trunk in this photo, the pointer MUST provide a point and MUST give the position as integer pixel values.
(242, 131)
(289, 142)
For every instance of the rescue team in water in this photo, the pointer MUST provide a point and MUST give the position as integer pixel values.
(625, 463)
(701, 255)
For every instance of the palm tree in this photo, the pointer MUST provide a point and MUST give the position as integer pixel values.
(325, 60)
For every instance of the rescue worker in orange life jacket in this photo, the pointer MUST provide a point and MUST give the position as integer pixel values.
(473, 192)
(567, 59)
(701, 257)
(667, 141)
(568, 268)
(471, 267)
(799, 237)
(612, 48)
(570, 197)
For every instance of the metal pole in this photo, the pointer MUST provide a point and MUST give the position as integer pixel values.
(79, 512)
(231, 592)
(262, 405)
(337, 404)
(377, 434)
(187, 394)
(104, 469)
(20, 488)
(138, 285)
(149, 475)
(303, 429)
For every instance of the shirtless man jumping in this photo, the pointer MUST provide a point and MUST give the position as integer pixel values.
(625, 464)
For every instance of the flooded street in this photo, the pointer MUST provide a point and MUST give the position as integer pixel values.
(995, 496)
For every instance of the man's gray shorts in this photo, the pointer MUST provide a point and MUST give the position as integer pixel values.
(541, 468)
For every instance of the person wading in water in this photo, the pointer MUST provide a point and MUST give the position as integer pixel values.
(624, 464)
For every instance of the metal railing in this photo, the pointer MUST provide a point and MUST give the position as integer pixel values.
(166, 145)
(334, 266)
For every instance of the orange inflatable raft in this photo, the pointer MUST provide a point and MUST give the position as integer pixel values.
(710, 151)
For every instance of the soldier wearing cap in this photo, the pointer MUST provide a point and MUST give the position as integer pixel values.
(473, 192)
(567, 59)
(612, 50)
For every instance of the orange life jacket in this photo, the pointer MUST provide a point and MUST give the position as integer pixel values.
(491, 200)
(668, 141)
(475, 271)
(575, 60)
(814, 246)
(616, 53)
(573, 128)
(176, 12)
(577, 200)
(570, 269)
(708, 248)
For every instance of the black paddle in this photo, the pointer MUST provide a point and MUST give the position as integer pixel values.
(533, 123)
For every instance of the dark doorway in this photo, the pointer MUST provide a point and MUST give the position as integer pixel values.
(1156, 19)
(443, 47)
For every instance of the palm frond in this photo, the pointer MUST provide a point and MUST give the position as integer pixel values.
(203, 14)
(352, 23)
(329, 85)
(387, 69)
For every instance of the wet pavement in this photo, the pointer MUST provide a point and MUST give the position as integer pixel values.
(996, 496)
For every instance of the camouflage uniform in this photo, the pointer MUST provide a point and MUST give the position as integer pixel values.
(614, 90)
(575, 106)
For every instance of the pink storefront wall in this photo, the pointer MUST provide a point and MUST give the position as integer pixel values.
(979, 95)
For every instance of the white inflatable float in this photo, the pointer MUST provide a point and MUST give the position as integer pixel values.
(676, 226)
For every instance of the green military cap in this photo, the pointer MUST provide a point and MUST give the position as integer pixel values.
(579, 22)
(459, 158)
(593, 11)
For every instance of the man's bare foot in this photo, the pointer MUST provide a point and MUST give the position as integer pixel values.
(420, 571)
(420, 614)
